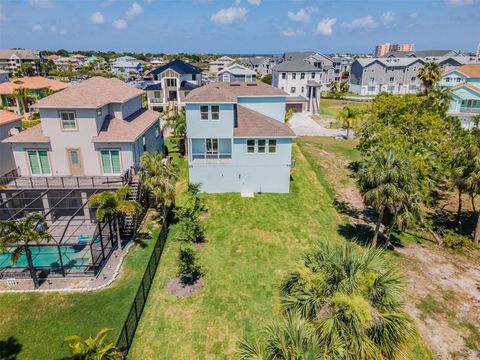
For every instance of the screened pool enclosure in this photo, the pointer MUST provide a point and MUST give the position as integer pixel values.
(79, 245)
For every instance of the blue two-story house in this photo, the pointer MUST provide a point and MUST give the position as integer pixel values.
(464, 88)
(237, 138)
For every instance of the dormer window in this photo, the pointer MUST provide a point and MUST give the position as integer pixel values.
(68, 121)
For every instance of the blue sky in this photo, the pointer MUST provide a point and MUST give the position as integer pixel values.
(238, 26)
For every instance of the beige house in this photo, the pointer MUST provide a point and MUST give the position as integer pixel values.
(95, 128)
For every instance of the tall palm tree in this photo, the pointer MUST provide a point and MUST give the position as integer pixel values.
(158, 175)
(93, 348)
(22, 95)
(430, 74)
(349, 116)
(354, 298)
(387, 183)
(288, 338)
(113, 204)
(21, 234)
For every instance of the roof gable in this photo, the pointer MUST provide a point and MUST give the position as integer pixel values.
(179, 66)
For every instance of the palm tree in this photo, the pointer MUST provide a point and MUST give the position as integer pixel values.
(354, 298)
(158, 175)
(472, 177)
(288, 338)
(387, 183)
(22, 233)
(349, 116)
(93, 348)
(430, 74)
(177, 121)
(113, 204)
(21, 95)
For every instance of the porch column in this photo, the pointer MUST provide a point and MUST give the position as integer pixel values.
(310, 97)
(46, 208)
(86, 209)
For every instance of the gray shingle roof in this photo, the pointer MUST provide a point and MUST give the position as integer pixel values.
(251, 123)
(295, 65)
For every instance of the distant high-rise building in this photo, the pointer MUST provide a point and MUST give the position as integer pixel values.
(382, 49)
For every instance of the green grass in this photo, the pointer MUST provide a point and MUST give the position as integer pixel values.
(251, 244)
(331, 107)
(40, 321)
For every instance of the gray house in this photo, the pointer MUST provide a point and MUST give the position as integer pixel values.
(95, 128)
(237, 72)
(260, 64)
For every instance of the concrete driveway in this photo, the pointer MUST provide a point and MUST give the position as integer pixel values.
(303, 125)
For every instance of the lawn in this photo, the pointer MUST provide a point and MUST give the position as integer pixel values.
(251, 244)
(38, 322)
(331, 107)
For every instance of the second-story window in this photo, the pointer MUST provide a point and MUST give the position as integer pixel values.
(392, 79)
(294, 76)
(302, 76)
(194, 77)
(261, 145)
(313, 75)
(284, 75)
(204, 112)
(293, 90)
(414, 78)
(68, 120)
(215, 109)
(156, 94)
(251, 146)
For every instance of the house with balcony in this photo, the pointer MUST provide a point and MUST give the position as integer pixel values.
(12, 59)
(171, 84)
(39, 88)
(237, 72)
(464, 88)
(96, 128)
(237, 138)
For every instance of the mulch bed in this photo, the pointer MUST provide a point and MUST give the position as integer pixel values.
(178, 289)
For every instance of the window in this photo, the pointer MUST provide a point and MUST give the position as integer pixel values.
(156, 94)
(249, 78)
(302, 76)
(459, 80)
(144, 143)
(194, 77)
(211, 146)
(157, 131)
(171, 82)
(204, 112)
(392, 79)
(226, 78)
(447, 79)
(413, 78)
(99, 112)
(284, 76)
(68, 120)
(313, 75)
(371, 81)
(261, 145)
(110, 162)
(293, 89)
(250, 146)
(39, 164)
(294, 76)
(272, 146)
(303, 89)
(215, 109)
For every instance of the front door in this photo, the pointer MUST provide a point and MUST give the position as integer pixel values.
(172, 95)
(75, 162)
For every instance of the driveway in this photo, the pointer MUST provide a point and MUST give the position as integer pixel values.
(303, 125)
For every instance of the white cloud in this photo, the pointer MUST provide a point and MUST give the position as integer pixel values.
(107, 3)
(363, 22)
(254, 2)
(134, 10)
(413, 15)
(36, 27)
(63, 32)
(119, 24)
(3, 17)
(229, 15)
(53, 28)
(41, 3)
(302, 15)
(291, 32)
(147, 1)
(97, 18)
(388, 17)
(325, 27)
(459, 2)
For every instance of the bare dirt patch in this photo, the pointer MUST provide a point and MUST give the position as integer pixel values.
(176, 288)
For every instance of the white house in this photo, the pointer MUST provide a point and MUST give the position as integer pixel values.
(237, 72)
(10, 123)
(95, 128)
(219, 64)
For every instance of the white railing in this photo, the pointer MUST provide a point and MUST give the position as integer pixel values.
(155, 100)
(470, 110)
(206, 157)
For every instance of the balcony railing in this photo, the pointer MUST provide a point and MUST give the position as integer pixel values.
(155, 100)
(470, 110)
(211, 157)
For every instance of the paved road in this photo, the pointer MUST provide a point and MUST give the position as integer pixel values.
(303, 125)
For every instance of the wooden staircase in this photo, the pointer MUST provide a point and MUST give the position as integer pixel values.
(130, 222)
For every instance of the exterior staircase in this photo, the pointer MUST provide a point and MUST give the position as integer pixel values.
(130, 222)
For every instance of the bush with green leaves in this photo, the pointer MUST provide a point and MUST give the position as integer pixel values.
(189, 270)
(188, 227)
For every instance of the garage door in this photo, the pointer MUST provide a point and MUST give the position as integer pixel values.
(297, 107)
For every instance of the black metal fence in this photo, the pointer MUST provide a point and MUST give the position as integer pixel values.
(127, 334)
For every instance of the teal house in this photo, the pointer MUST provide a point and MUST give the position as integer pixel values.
(237, 138)
(464, 88)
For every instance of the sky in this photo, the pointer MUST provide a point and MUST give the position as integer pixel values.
(238, 26)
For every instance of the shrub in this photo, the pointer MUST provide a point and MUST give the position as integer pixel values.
(188, 269)
(454, 241)
(188, 230)
(289, 113)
